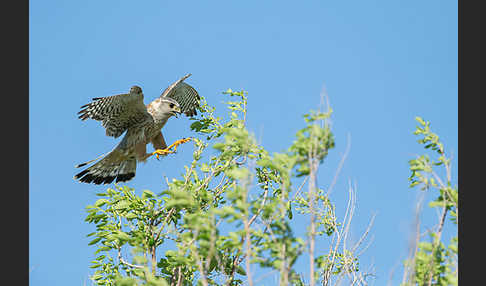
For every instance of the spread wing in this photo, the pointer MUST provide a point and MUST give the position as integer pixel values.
(117, 113)
(184, 94)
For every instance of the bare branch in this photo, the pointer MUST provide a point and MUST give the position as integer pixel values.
(341, 164)
(409, 271)
(300, 188)
(193, 249)
(120, 258)
(164, 223)
(261, 207)
(368, 228)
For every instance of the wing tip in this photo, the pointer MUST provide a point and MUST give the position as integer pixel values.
(80, 165)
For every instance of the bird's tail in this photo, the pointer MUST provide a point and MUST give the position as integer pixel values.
(114, 166)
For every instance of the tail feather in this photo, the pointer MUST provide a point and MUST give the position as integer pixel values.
(112, 167)
(127, 170)
(90, 161)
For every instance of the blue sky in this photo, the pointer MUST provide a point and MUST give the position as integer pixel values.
(381, 62)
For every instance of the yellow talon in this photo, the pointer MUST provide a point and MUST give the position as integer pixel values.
(163, 152)
(167, 150)
(179, 142)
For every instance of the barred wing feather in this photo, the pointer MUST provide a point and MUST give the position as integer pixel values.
(185, 95)
(117, 113)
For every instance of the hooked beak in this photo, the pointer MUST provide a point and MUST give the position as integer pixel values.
(176, 111)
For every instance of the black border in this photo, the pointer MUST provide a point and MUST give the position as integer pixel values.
(471, 73)
(15, 133)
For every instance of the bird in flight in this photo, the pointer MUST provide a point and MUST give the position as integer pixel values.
(143, 125)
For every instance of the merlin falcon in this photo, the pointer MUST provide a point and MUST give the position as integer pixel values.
(143, 125)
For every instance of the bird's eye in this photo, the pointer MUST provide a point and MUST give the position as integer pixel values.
(171, 105)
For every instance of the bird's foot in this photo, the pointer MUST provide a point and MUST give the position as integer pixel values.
(168, 150)
(179, 142)
(162, 152)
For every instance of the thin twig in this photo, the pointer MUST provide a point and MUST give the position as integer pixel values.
(120, 258)
(361, 239)
(261, 207)
(409, 271)
(300, 188)
(437, 241)
(340, 166)
(164, 223)
(193, 249)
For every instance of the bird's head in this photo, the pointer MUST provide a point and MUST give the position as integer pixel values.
(136, 89)
(170, 106)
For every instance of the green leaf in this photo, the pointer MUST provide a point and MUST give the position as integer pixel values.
(237, 173)
(94, 241)
(122, 236)
(97, 277)
(240, 270)
(101, 202)
(147, 194)
(131, 216)
(122, 205)
(219, 146)
(420, 120)
(289, 210)
(196, 126)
